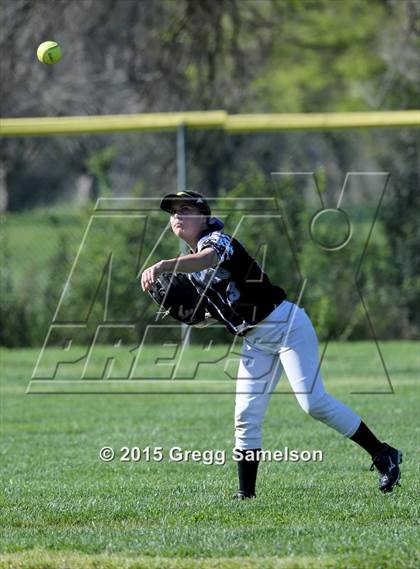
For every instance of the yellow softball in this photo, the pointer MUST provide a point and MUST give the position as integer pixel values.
(49, 52)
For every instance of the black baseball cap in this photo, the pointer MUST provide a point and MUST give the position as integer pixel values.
(195, 199)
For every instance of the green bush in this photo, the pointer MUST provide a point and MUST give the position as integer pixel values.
(49, 254)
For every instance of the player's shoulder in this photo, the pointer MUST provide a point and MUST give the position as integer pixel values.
(215, 236)
(223, 243)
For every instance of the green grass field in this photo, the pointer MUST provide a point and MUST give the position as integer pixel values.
(34, 240)
(64, 508)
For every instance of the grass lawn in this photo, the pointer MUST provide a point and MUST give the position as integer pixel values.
(33, 238)
(62, 507)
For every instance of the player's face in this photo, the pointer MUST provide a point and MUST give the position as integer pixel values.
(186, 221)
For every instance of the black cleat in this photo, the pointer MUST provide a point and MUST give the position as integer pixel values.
(386, 463)
(240, 495)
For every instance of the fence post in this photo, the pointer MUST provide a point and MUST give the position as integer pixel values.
(181, 161)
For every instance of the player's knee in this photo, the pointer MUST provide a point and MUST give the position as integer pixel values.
(245, 418)
(242, 420)
(314, 407)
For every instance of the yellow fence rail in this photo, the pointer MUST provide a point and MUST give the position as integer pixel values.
(39, 126)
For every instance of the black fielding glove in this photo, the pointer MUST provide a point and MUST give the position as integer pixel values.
(176, 293)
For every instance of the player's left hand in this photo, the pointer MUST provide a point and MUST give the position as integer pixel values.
(149, 276)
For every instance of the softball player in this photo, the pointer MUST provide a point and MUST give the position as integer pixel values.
(277, 334)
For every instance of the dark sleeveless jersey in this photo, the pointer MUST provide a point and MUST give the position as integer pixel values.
(237, 291)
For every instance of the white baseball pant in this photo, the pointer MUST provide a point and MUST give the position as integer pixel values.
(286, 339)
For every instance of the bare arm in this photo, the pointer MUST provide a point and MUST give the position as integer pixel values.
(191, 263)
(185, 264)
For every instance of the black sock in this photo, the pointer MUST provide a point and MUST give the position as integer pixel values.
(247, 470)
(367, 440)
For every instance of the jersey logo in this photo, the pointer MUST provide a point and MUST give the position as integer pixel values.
(232, 293)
